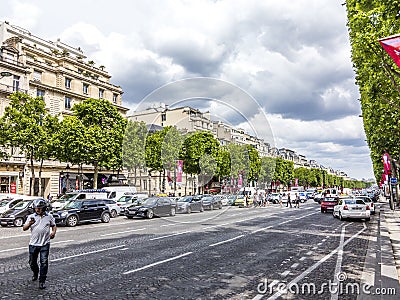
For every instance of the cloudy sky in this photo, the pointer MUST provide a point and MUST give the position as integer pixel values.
(264, 66)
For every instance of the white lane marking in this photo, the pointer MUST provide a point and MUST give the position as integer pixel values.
(157, 263)
(166, 225)
(124, 249)
(13, 236)
(126, 231)
(26, 247)
(314, 248)
(262, 229)
(303, 258)
(309, 253)
(86, 253)
(226, 241)
(286, 273)
(334, 296)
(169, 235)
(294, 266)
(314, 266)
(209, 227)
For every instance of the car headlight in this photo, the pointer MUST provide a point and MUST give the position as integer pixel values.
(143, 209)
(11, 216)
(64, 214)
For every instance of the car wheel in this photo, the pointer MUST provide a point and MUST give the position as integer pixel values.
(3, 225)
(72, 221)
(220, 206)
(189, 210)
(173, 212)
(129, 217)
(367, 219)
(114, 213)
(18, 222)
(105, 217)
(149, 214)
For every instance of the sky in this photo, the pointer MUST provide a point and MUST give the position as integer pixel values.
(281, 70)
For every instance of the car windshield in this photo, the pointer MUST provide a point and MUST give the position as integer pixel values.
(66, 197)
(4, 203)
(232, 197)
(73, 204)
(150, 201)
(185, 199)
(124, 199)
(22, 205)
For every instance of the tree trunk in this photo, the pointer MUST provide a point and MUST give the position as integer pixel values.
(32, 182)
(40, 177)
(95, 175)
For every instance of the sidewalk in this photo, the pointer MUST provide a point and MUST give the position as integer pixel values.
(391, 221)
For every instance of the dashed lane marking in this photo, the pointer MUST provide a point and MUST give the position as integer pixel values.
(226, 241)
(157, 263)
(52, 243)
(86, 253)
(126, 231)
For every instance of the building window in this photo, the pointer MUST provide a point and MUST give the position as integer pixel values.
(37, 75)
(80, 71)
(67, 102)
(101, 93)
(68, 83)
(115, 97)
(163, 117)
(40, 93)
(85, 88)
(16, 83)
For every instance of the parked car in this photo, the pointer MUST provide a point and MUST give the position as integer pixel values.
(18, 213)
(351, 208)
(155, 206)
(113, 206)
(224, 199)
(79, 211)
(8, 203)
(211, 202)
(274, 198)
(78, 195)
(127, 200)
(188, 204)
(232, 199)
(328, 204)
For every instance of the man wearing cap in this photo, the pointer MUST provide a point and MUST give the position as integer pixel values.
(40, 223)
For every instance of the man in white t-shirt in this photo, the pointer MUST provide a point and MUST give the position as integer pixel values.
(40, 223)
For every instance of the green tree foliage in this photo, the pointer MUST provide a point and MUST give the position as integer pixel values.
(153, 149)
(133, 147)
(240, 161)
(223, 162)
(283, 171)
(171, 147)
(196, 146)
(255, 163)
(97, 131)
(267, 170)
(27, 125)
(378, 77)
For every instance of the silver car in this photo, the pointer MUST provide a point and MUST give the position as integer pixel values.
(351, 208)
(188, 204)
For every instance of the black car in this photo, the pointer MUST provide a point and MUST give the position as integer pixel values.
(211, 202)
(79, 211)
(156, 206)
(17, 214)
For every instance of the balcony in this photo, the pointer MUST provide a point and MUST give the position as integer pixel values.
(10, 89)
(11, 61)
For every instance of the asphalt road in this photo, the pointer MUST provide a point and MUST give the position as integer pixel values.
(233, 253)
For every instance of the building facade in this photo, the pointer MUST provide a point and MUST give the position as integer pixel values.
(61, 75)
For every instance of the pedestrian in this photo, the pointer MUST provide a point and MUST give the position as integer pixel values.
(289, 202)
(280, 199)
(40, 223)
(297, 200)
(247, 200)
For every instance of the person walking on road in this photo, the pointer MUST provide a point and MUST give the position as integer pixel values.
(297, 200)
(288, 201)
(40, 223)
(280, 199)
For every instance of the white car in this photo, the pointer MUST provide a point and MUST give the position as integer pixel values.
(369, 202)
(7, 203)
(115, 209)
(352, 208)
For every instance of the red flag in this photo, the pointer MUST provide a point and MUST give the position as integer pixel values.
(392, 46)
(386, 163)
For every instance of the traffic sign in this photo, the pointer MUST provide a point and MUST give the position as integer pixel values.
(393, 180)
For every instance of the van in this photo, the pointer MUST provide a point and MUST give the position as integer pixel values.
(79, 195)
(116, 192)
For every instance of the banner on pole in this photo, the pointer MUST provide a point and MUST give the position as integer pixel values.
(391, 45)
(179, 171)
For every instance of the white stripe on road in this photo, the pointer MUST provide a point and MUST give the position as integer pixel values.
(334, 296)
(26, 247)
(294, 266)
(157, 263)
(87, 253)
(303, 258)
(166, 225)
(209, 227)
(226, 241)
(312, 268)
(126, 231)
(14, 236)
(169, 235)
(286, 273)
